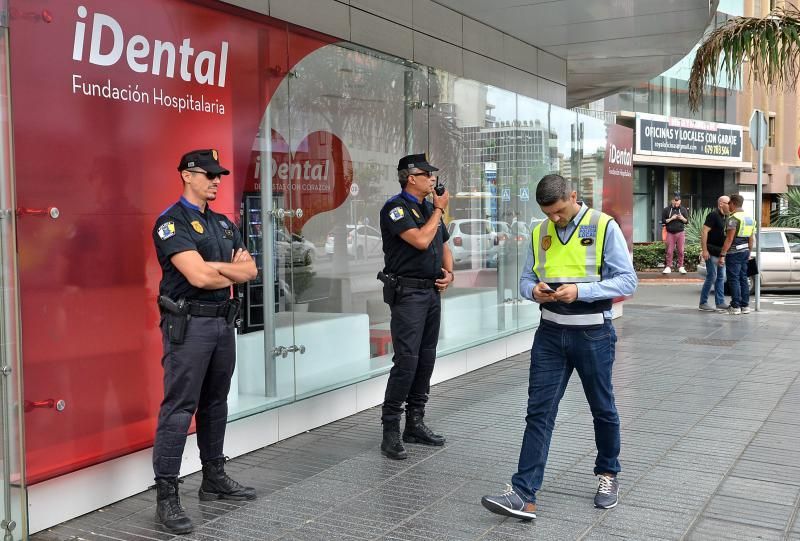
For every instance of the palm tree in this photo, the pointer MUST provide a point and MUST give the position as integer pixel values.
(791, 216)
(771, 46)
(694, 227)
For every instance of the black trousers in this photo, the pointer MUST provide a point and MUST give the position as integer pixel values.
(415, 332)
(197, 378)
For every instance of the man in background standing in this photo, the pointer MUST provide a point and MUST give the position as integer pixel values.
(735, 253)
(711, 240)
(674, 219)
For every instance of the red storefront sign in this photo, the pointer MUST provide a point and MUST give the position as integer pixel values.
(318, 173)
(618, 179)
(106, 97)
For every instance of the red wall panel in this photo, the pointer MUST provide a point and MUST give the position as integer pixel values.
(89, 279)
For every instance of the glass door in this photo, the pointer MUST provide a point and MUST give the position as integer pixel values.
(13, 521)
(352, 114)
(265, 368)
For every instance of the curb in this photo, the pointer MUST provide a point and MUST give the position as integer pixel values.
(670, 281)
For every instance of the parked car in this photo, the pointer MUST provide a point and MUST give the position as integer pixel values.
(513, 241)
(520, 231)
(503, 231)
(363, 241)
(780, 258)
(472, 240)
(295, 248)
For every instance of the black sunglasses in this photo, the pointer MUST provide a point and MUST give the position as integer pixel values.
(209, 176)
(429, 175)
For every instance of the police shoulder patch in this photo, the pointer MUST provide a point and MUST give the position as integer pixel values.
(166, 230)
(396, 213)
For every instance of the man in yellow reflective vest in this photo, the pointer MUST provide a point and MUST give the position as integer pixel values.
(578, 263)
(735, 253)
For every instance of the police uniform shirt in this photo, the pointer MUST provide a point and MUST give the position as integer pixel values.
(401, 213)
(183, 227)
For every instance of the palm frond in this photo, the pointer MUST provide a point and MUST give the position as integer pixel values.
(770, 44)
(790, 217)
(694, 226)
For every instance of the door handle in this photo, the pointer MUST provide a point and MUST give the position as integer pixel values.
(296, 349)
(285, 213)
(53, 212)
(59, 405)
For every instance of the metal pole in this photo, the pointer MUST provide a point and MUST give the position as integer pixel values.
(757, 277)
(408, 113)
(268, 269)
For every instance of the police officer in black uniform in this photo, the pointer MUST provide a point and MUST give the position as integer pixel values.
(418, 268)
(201, 255)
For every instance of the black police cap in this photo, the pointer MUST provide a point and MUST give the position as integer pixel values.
(415, 161)
(206, 159)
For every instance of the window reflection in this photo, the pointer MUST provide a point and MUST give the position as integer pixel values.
(492, 147)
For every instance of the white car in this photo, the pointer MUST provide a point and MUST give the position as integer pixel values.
(294, 248)
(363, 241)
(520, 232)
(472, 241)
(503, 231)
(780, 258)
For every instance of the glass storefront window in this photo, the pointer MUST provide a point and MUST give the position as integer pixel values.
(13, 507)
(312, 132)
(643, 204)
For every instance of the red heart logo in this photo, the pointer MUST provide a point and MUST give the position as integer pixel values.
(317, 175)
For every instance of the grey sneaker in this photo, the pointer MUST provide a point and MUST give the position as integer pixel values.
(705, 307)
(607, 495)
(510, 504)
(723, 306)
(731, 311)
(745, 309)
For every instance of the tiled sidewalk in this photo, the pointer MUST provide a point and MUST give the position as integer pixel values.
(710, 406)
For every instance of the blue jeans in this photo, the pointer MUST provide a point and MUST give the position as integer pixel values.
(736, 264)
(714, 275)
(556, 352)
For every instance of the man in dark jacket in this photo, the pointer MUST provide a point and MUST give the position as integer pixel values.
(674, 219)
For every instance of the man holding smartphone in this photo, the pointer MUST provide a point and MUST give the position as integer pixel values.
(578, 263)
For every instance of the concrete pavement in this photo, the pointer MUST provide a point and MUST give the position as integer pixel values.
(711, 450)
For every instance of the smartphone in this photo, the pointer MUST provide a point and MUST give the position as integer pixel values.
(548, 289)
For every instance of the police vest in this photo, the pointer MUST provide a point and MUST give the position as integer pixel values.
(746, 224)
(578, 260)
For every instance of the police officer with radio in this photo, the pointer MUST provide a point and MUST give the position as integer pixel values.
(418, 268)
(577, 264)
(201, 255)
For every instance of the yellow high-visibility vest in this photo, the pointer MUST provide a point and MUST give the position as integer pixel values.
(746, 224)
(580, 259)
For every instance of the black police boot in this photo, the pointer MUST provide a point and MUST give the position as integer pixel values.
(417, 432)
(168, 507)
(391, 445)
(217, 485)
